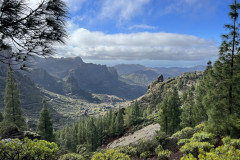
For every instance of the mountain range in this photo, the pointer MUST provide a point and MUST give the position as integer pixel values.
(72, 87)
(143, 76)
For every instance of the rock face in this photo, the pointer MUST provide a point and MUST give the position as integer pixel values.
(146, 133)
(90, 77)
(158, 80)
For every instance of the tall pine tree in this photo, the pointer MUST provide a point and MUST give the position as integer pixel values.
(45, 125)
(187, 115)
(169, 112)
(199, 111)
(119, 123)
(13, 112)
(224, 94)
(92, 135)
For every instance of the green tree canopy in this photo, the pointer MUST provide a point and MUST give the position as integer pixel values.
(45, 124)
(13, 111)
(224, 107)
(169, 112)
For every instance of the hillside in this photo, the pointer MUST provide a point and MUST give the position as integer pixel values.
(140, 77)
(65, 99)
(69, 87)
(124, 69)
(135, 74)
(90, 77)
(158, 88)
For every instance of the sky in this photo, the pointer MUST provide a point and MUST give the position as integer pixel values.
(154, 33)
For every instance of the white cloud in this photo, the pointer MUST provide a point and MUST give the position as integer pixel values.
(122, 9)
(142, 26)
(137, 46)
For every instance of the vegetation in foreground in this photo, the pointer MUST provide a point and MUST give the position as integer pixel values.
(201, 123)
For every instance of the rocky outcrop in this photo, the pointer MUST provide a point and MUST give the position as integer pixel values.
(146, 133)
(158, 80)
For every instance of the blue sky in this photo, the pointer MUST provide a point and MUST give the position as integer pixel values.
(154, 33)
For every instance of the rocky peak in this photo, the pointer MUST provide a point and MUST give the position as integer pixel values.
(158, 80)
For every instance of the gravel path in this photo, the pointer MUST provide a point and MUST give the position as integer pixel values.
(146, 133)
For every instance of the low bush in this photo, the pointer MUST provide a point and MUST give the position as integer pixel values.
(146, 154)
(129, 150)
(199, 128)
(181, 142)
(193, 147)
(148, 145)
(110, 155)
(28, 149)
(220, 153)
(158, 149)
(164, 154)
(82, 150)
(161, 136)
(185, 133)
(204, 137)
(71, 156)
(227, 141)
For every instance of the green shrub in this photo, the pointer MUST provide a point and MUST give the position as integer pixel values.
(161, 136)
(82, 150)
(199, 128)
(193, 147)
(164, 154)
(228, 151)
(158, 149)
(227, 141)
(148, 145)
(188, 157)
(181, 142)
(28, 149)
(185, 133)
(129, 150)
(146, 154)
(220, 153)
(110, 155)
(71, 156)
(204, 137)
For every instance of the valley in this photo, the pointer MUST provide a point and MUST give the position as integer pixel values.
(69, 87)
(119, 80)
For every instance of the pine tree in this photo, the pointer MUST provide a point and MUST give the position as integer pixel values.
(112, 128)
(100, 128)
(187, 115)
(134, 114)
(119, 123)
(74, 138)
(45, 125)
(169, 113)
(164, 114)
(224, 107)
(92, 135)
(31, 31)
(13, 112)
(199, 111)
(175, 111)
(68, 137)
